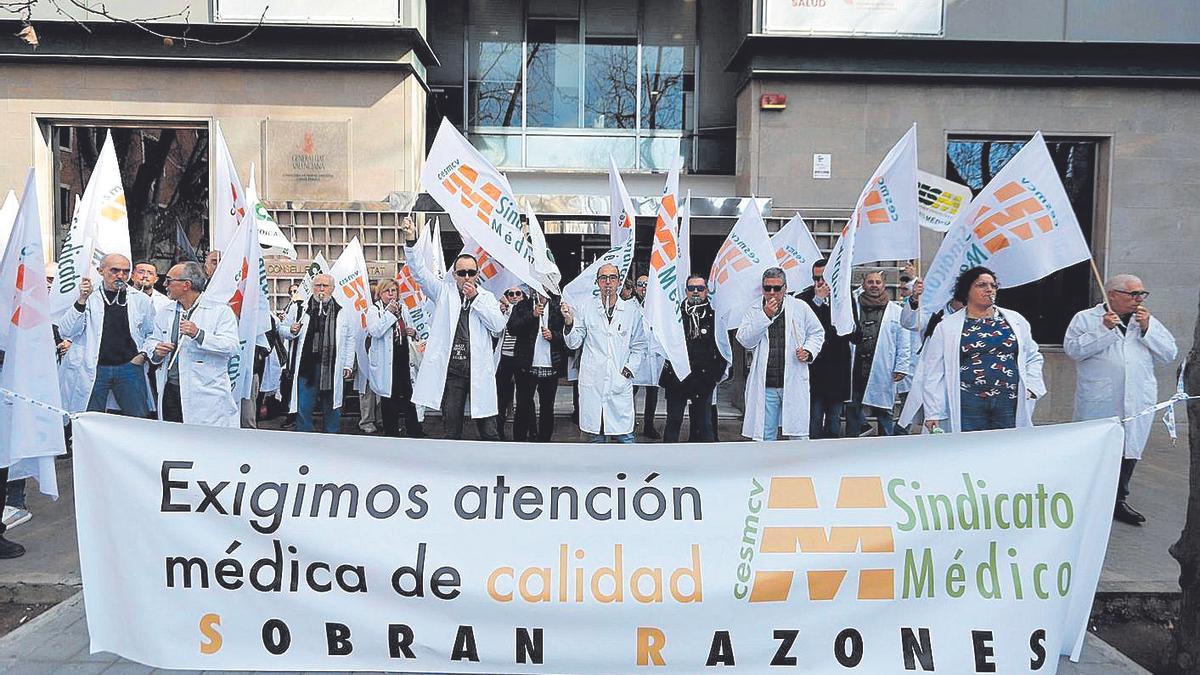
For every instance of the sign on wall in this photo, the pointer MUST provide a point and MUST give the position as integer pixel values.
(307, 160)
(307, 11)
(854, 17)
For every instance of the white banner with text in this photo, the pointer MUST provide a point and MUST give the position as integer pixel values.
(264, 550)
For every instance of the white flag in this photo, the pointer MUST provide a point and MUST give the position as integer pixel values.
(735, 281)
(941, 201)
(493, 277)
(270, 237)
(543, 260)
(30, 435)
(100, 226)
(795, 253)
(241, 281)
(8, 216)
(413, 298)
(621, 214)
(1021, 226)
(479, 200)
(352, 291)
(685, 244)
(318, 266)
(889, 224)
(883, 226)
(229, 202)
(436, 253)
(664, 312)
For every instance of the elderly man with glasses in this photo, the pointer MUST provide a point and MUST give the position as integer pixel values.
(1116, 346)
(113, 325)
(323, 338)
(785, 336)
(458, 354)
(193, 340)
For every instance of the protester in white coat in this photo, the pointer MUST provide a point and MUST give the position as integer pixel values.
(459, 358)
(388, 372)
(324, 340)
(192, 343)
(145, 276)
(1115, 350)
(879, 361)
(981, 367)
(614, 345)
(113, 324)
(646, 377)
(777, 388)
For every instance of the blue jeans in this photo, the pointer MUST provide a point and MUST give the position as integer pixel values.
(981, 414)
(824, 417)
(307, 395)
(772, 407)
(127, 382)
(604, 438)
(856, 419)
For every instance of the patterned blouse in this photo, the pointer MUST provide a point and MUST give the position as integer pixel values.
(988, 361)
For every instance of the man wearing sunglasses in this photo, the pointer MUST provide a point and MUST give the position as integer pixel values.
(113, 324)
(458, 356)
(785, 336)
(708, 367)
(1116, 348)
(614, 344)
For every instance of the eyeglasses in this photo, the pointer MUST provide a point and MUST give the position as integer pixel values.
(170, 280)
(513, 294)
(466, 273)
(696, 289)
(986, 284)
(1136, 295)
(641, 284)
(772, 288)
(608, 277)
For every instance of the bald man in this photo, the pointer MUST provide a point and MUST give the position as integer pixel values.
(324, 336)
(113, 324)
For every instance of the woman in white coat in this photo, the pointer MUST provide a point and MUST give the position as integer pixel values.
(1115, 350)
(203, 394)
(981, 367)
(614, 345)
(388, 361)
(769, 407)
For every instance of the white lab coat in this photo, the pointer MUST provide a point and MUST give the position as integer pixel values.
(75, 392)
(891, 356)
(160, 301)
(89, 324)
(379, 358)
(205, 392)
(651, 369)
(486, 321)
(939, 378)
(605, 395)
(1115, 371)
(803, 330)
(343, 346)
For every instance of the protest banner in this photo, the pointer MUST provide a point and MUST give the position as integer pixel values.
(30, 435)
(543, 259)
(352, 292)
(100, 226)
(883, 225)
(735, 280)
(795, 253)
(413, 300)
(229, 199)
(258, 552)
(480, 202)
(940, 201)
(663, 309)
(1021, 226)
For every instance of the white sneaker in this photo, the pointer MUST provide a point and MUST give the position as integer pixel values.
(14, 517)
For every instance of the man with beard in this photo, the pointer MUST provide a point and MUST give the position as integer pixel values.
(708, 366)
(880, 358)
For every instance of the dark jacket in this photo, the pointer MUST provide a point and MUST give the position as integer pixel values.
(526, 328)
(708, 366)
(829, 374)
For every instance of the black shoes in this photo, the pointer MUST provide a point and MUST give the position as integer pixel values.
(9, 549)
(651, 433)
(1125, 514)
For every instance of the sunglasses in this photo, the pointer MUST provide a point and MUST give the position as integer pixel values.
(696, 289)
(641, 284)
(772, 288)
(1136, 295)
(513, 294)
(466, 273)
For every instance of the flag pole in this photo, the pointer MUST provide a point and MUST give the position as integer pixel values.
(1099, 282)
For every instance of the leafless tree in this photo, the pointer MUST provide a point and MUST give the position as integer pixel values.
(151, 25)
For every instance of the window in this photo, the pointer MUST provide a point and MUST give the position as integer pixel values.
(1050, 303)
(567, 84)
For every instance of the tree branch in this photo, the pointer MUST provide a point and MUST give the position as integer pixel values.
(24, 8)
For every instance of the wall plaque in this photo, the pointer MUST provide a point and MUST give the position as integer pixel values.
(307, 160)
